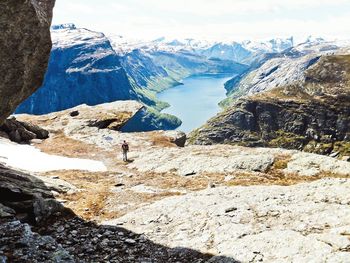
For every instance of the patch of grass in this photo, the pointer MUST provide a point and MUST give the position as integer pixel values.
(281, 162)
(342, 147)
(160, 140)
(286, 140)
(318, 147)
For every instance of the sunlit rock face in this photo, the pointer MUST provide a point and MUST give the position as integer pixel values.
(83, 68)
(305, 107)
(25, 45)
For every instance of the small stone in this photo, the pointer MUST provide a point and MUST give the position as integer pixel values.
(334, 154)
(231, 209)
(74, 113)
(346, 158)
(130, 241)
(60, 229)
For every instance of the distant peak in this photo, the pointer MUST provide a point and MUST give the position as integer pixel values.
(63, 26)
(314, 39)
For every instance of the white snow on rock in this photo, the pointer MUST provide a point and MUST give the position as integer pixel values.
(31, 159)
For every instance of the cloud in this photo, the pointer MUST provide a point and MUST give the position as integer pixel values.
(235, 19)
(224, 7)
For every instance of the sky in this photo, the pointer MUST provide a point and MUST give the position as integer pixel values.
(209, 19)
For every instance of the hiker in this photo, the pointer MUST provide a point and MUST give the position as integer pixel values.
(125, 148)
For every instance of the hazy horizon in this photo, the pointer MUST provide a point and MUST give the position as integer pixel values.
(205, 19)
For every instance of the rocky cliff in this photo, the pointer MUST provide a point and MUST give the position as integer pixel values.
(310, 114)
(25, 45)
(84, 65)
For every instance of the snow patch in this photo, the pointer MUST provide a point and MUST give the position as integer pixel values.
(31, 159)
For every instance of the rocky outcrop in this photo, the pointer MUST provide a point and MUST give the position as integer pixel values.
(25, 46)
(19, 132)
(312, 115)
(148, 119)
(227, 159)
(71, 240)
(303, 223)
(177, 137)
(27, 197)
(112, 116)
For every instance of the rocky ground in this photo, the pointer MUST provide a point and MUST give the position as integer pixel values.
(170, 203)
(300, 223)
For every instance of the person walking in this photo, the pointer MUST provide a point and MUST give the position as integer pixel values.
(125, 149)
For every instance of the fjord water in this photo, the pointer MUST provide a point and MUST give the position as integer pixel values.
(196, 100)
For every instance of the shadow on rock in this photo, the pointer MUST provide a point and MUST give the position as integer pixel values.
(34, 227)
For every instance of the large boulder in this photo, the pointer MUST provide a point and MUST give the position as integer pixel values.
(19, 132)
(28, 197)
(25, 45)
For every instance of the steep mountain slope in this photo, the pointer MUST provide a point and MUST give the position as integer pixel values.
(83, 68)
(270, 70)
(85, 65)
(155, 66)
(309, 112)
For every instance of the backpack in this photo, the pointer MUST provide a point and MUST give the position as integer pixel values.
(125, 147)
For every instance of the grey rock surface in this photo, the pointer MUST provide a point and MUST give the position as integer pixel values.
(25, 45)
(226, 159)
(300, 223)
(21, 244)
(28, 196)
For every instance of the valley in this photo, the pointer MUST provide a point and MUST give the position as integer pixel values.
(195, 100)
(238, 151)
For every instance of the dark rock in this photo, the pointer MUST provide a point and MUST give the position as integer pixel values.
(39, 132)
(44, 208)
(19, 132)
(6, 212)
(334, 154)
(25, 46)
(19, 242)
(148, 119)
(27, 195)
(179, 138)
(277, 123)
(74, 113)
(190, 173)
(230, 209)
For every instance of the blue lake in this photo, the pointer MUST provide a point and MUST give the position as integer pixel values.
(196, 100)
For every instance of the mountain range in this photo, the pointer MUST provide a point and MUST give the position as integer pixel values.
(297, 99)
(89, 67)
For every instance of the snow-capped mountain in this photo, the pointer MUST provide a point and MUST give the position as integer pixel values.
(284, 68)
(270, 46)
(83, 68)
(226, 50)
